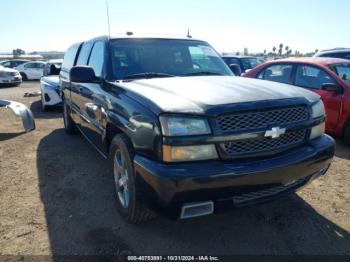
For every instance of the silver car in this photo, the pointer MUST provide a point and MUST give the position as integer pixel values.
(9, 77)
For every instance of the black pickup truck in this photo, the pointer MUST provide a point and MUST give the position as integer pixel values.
(182, 135)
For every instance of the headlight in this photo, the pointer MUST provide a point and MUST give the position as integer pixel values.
(317, 131)
(318, 109)
(189, 153)
(184, 126)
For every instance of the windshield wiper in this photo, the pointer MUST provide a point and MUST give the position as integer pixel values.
(203, 73)
(147, 75)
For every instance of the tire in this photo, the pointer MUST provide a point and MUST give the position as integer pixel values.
(69, 125)
(43, 106)
(347, 135)
(131, 205)
(24, 76)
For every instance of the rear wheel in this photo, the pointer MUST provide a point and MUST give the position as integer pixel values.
(347, 135)
(129, 191)
(69, 125)
(24, 76)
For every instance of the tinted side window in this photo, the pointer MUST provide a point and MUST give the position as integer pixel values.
(312, 77)
(344, 55)
(84, 53)
(230, 61)
(69, 57)
(7, 64)
(97, 57)
(277, 73)
(29, 65)
(40, 65)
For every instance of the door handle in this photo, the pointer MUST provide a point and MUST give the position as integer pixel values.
(91, 107)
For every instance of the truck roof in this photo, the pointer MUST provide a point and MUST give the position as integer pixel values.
(314, 60)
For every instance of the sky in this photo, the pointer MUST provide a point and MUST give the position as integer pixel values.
(228, 25)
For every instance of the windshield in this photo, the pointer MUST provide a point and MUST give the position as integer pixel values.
(147, 58)
(251, 62)
(343, 71)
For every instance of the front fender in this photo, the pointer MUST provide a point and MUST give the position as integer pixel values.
(22, 111)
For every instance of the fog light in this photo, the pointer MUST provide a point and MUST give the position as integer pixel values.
(189, 153)
(317, 131)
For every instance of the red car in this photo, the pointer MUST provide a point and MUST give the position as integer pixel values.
(328, 77)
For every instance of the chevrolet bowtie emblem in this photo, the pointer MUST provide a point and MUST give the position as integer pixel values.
(275, 132)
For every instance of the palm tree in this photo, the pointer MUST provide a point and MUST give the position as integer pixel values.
(281, 49)
(286, 48)
(274, 49)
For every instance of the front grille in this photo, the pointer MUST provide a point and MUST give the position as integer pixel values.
(249, 146)
(253, 196)
(262, 119)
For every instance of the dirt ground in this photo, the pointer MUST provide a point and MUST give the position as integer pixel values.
(57, 199)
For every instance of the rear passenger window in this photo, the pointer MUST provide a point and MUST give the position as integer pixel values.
(312, 77)
(97, 57)
(344, 55)
(29, 65)
(277, 73)
(69, 57)
(84, 54)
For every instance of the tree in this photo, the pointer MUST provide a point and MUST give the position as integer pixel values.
(274, 49)
(17, 52)
(287, 49)
(281, 49)
(264, 51)
(246, 51)
(316, 51)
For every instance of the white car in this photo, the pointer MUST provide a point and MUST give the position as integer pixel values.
(50, 92)
(9, 77)
(31, 70)
(49, 84)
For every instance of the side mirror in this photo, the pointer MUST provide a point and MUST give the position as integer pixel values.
(236, 69)
(333, 88)
(82, 74)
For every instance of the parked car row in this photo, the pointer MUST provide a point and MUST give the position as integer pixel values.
(30, 70)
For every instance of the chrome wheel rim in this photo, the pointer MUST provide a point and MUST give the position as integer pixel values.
(121, 178)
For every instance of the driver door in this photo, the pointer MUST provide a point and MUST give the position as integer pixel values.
(313, 78)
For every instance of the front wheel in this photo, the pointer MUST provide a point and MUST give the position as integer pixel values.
(69, 125)
(24, 76)
(130, 192)
(43, 105)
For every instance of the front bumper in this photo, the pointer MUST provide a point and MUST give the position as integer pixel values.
(51, 96)
(172, 185)
(22, 111)
(13, 80)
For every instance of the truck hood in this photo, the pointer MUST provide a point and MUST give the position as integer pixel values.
(8, 70)
(52, 80)
(196, 94)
